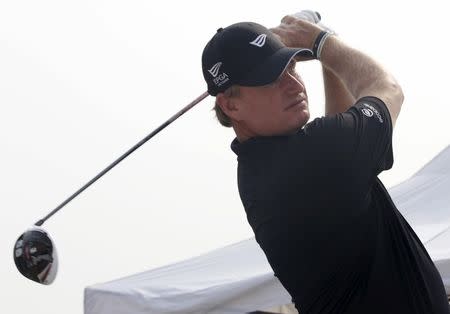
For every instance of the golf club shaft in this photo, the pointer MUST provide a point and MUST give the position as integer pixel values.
(125, 155)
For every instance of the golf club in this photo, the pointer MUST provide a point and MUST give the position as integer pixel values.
(34, 251)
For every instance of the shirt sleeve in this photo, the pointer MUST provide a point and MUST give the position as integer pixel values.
(361, 136)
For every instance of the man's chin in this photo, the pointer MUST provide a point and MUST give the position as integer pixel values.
(304, 119)
(299, 125)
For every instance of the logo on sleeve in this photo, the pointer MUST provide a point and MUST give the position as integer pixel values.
(370, 110)
(367, 112)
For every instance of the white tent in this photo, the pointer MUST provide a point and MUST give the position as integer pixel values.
(238, 279)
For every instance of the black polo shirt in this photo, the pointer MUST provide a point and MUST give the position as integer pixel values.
(326, 223)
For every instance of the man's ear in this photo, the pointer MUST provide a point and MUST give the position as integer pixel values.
(228, 105)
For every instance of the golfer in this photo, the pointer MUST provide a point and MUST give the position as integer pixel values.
(325, 222)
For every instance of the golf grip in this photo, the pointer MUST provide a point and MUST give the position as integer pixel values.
(125, 155)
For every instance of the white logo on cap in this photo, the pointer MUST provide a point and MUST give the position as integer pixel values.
(259, 41)
(215, 69)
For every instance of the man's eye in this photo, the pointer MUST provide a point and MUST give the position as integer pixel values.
(293, 72)
(291, 69)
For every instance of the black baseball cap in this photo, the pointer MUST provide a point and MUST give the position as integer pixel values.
(246, 54)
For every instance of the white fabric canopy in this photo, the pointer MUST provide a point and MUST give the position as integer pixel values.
(238, 279)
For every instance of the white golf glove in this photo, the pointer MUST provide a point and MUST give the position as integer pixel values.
(313, 17)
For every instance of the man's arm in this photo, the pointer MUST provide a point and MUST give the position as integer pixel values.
(359, 73)
(337, 97)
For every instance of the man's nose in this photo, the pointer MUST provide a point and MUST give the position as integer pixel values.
(292, 83)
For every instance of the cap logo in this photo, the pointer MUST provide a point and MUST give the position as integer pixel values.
(215, 69)
(259, 41)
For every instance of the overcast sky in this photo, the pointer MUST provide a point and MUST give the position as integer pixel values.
(83, 81)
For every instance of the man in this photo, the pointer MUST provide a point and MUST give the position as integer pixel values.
(327, 225)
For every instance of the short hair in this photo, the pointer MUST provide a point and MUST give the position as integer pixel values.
(232, 91)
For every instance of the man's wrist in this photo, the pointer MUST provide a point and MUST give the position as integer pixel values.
(319, 43)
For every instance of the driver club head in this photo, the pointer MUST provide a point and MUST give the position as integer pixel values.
(35, 256)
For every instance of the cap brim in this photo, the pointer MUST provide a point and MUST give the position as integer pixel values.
(272, 68)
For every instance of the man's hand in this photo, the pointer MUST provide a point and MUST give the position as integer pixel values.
(297, 33)
(313, 17)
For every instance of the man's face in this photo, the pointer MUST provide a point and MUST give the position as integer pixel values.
(275, 109)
